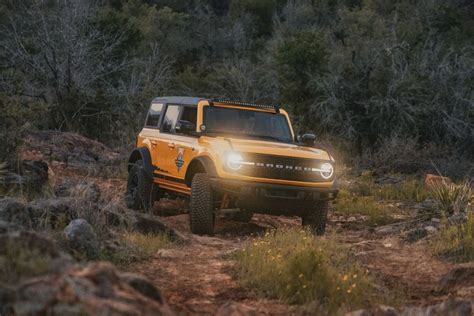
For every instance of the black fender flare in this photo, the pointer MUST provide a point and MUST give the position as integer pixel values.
(143, 154)
(206, 163)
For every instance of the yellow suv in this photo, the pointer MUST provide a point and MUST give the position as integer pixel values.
(229, 155)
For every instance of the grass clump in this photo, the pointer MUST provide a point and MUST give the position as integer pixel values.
(456, 241)
(294, 266)
(377, 213)
(134, 246)
(147, 243)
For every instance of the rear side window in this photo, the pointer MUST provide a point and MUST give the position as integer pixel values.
(171, 118)
(154, 115)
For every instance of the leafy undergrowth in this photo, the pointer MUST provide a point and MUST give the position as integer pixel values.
(456, 241)
(367, 198)
(297, 268)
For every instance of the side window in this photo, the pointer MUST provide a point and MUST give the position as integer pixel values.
(171, 117)
(154, 115)
(189, 114)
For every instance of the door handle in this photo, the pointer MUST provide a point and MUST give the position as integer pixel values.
(171, 145)
(153, 143)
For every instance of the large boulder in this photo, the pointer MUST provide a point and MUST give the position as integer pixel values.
(459, 276)
(94, 289)
(15, 212)
(82, 239)
(31, 176)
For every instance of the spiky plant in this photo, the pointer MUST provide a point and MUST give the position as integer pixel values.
(452, 198)
(3, 171)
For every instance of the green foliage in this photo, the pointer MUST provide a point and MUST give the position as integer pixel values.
(294, 266)
(456, 241)
(365, 72)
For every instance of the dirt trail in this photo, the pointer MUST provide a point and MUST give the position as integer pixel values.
(196, 278)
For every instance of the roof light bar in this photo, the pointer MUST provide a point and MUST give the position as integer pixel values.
(276, 108)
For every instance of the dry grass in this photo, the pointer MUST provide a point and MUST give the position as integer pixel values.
(456, 241)
(147, 243)
(3, 171)
(294, 266)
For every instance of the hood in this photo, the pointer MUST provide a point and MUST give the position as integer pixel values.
(265, 147)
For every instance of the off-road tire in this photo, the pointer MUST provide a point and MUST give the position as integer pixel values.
(201, 205)
(140, 188)
(242, 216)
(316, 217)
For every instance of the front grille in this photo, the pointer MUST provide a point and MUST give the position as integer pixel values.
(281, 167)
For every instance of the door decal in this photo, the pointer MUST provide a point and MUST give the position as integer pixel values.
(179, 161)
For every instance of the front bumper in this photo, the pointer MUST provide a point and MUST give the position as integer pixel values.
(273, 198)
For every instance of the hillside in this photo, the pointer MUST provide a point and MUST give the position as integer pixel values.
(165, 269)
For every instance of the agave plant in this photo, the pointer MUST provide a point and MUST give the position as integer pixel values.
(452, 198)
(3, 171)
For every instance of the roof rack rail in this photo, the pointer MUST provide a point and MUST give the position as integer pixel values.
(276, 108)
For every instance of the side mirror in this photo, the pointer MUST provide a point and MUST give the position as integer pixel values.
(308, 139)
(185, 127)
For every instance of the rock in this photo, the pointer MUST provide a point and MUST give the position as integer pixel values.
(415, 234)
(459, 276)
(47, 212)
(388, 180)
(381, 310)
(435, 222)
(430, 229)
(427, 204)
(450, 307)
(235, 309)
(32, 176)
(73, 187)
(94, 289)
(6, 227)
(13, 211)
(431, 179)
(142, 285)
(388, 229)
(81, 238)
(149, 224)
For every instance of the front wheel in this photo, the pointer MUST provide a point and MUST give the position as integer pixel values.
(140, 188)
(316, 217)
(201, 205)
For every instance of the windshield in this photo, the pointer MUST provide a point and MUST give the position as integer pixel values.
(248, 123)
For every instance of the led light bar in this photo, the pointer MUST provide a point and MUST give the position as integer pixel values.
(276, 108)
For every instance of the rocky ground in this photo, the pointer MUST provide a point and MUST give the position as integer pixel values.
(66, 180)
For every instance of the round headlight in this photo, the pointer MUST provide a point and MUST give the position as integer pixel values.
(234, 161)
(327, 170)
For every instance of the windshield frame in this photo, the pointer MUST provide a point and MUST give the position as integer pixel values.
(249, 136)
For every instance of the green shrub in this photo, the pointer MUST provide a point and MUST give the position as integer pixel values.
(452, 198)
(294, 266)
(456, 241)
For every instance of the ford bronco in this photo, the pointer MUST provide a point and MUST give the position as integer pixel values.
(229, 155)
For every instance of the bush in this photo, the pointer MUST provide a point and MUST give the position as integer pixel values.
(294, 266)
(456, 241)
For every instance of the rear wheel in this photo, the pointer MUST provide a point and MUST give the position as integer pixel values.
(140, 188)
(316, 217)
(201, 205)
